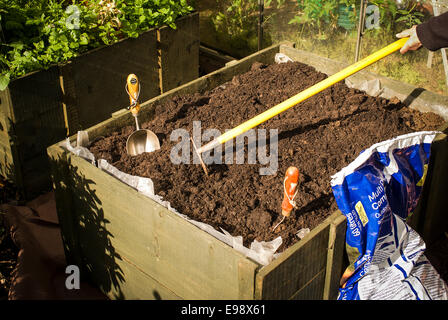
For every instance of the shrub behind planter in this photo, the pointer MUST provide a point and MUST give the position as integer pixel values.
(44, 107)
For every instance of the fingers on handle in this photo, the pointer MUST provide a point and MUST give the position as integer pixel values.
(404, 34)
(405, 48)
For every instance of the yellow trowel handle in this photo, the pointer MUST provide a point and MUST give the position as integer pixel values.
(133, 90)
(318, 87)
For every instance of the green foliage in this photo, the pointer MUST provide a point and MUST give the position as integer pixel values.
(388, 11)
(235, 22)
(236, 17)
(409, 16)
(319, 17)
(40, 33)
(2, 226)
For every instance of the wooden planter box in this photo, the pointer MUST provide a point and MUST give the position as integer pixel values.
(131, 247)
(43, 107)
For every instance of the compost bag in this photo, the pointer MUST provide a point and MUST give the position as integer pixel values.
(377, 192)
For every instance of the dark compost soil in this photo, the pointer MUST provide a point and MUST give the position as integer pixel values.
(320, 136)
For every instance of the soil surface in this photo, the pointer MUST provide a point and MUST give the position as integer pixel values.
(319, 136)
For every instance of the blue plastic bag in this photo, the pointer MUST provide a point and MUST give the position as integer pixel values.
(376, 193)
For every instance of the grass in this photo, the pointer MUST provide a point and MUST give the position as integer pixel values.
(409, 68)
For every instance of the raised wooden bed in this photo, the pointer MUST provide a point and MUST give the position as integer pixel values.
(42, 108)
(131, 247)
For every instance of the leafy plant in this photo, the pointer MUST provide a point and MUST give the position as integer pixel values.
(409, 16)
(235, 22)
(40, 33)
(318, 16)
(235, 17)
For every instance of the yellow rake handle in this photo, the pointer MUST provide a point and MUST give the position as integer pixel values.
(318, 87)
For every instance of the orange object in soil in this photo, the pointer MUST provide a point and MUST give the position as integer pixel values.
(290, 184)
(133, 90)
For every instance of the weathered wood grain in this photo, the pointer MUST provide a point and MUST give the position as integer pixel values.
(179, 52)
(99, 77)
(430, 218)
(335, 261)
(296, 266)
(181, 257)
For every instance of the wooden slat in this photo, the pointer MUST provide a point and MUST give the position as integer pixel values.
(143, 287)
(6, 159)
(312, 290)
(246, 280)
(98, 226)
(61, 175)
(36, 176)
(296, 266)
(154, 239)
(35, 93)
(3, 124)
(207, 82)
(6, 114)
(33, 136)
(4, 144)
(335, 255)
(69, 101)
(211, 60)
(99, 77)
(13, 169)
(179, 50)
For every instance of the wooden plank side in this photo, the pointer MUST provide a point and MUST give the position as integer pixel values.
(155, 240)
(211, 60)
(5, 147)
(69, 100)
(61, 171)
(335, 262)
(3, 124)
(313, 289)
(36, 176)
(429, 218)
(296, 266)
(179, 52)
(6, 159)
(99, 77)
(35, 135)
(246, 280)
(11, 158)
(35, 93)
(139, 285)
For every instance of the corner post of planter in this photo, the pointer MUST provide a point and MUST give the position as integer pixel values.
(334, 269)
(68, 101)
(11, 168)
(178, 52)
